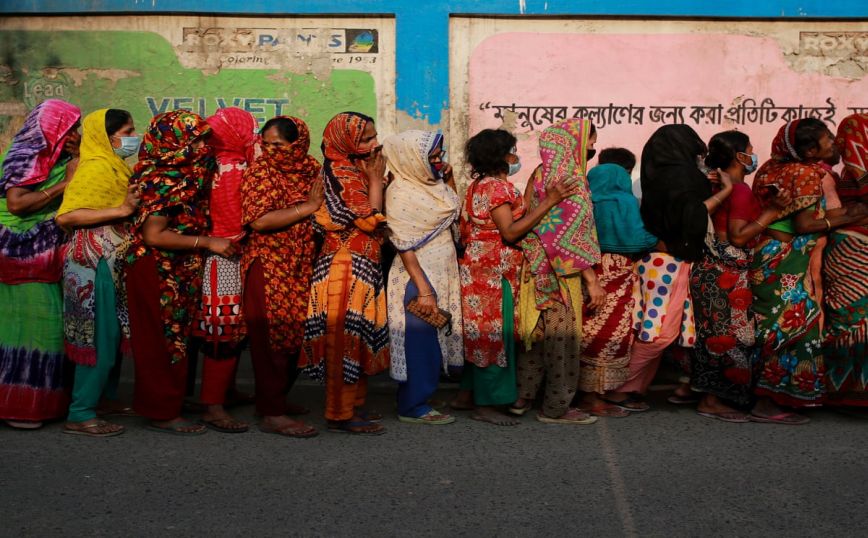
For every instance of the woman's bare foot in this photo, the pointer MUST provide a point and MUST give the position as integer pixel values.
(493, 416)
(178, 425)
(216, 418)
(710, 403)
(592, 403)
(463, 401)
(283, 425)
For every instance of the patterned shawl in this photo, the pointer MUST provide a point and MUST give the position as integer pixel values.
(234, 141)
(565, 240)
(102, 177)
(852, 141)
(418, 205)
(789, 172)
(174, 180)
(36, 148)
(674, 190)
(346, 187)
(280, 178)
(30, 245)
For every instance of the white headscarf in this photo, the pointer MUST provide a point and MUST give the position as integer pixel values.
(418, 205)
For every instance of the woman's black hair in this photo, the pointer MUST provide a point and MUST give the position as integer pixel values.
(115, 119)
(722, 148)
(286, 128)
(623, 157)
(809, 131)
(486, 152)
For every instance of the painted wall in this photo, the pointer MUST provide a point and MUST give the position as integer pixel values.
(312, 68)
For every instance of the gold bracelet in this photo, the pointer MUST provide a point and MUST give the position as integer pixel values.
(196, 244)
(763, 226)
(297, 210)
(425, 295)
(47, 196)
(828, 224)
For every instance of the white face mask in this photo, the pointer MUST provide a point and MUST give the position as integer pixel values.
(129, 146)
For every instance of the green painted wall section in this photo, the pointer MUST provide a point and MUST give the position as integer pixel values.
(140, 72)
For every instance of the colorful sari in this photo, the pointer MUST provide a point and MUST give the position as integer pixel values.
(34, 372)
(607, 333)
(100, 182)
(788, 339)
(174, 179)
(218, 318)
(346, 334)
(845, 275)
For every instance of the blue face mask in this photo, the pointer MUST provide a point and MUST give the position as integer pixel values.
(129, 146)
(754, 163)
(514, 168)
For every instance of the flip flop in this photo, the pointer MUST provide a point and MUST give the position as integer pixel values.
(726, 416)
(623, 404)
(302, 431)
(786, 418)
(175, 429)
(560, 420)
(86, 430)
(215, 425)
(675, 399)
(607, 411)
(433, 417)
(520, 411)
(346, 426)
(24, 424)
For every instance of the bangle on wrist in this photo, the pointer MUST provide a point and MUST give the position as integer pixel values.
(47, 194)
(425, 294)
(297, 210)
(761, 225)
(196, 244)
(828, 224)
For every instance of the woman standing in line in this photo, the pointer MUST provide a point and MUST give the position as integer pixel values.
(96, 205)
(422, 208)
(495, 218)
(346, 337)
(164, 274)
(279, 193)
(34, 373)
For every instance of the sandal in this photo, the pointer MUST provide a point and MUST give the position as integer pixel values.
(572, 416)
(24, 424)
(226, 425)
(607, 411)
(299, 430)
(520, 411)
(726, 416)
(630, 403)
(354, 427)
(790, 419)
(433, 417)
(182, 427)
(98, 428)
(369, 416)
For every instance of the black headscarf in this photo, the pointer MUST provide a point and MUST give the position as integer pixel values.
(674, 189)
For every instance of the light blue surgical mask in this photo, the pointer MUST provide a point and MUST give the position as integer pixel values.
(754, 163)
(516, 166)
(129, 146)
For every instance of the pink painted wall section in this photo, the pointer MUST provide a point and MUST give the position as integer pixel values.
(631, 84)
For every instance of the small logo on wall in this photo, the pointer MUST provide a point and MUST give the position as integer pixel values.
(42, 86)
(362, 41)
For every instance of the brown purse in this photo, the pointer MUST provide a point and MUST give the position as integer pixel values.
(439, 319)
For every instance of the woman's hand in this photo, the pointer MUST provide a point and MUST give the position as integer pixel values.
(316, 196)
(427, 304)
(596, 295)
(72, 143)
(131, 202)
(221, 246)
(562, 190)
(725, 179)
(782, 200)
(374, 167)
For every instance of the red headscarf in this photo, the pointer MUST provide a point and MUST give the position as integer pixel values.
(852, 141)
(788, 171)
(233, 140)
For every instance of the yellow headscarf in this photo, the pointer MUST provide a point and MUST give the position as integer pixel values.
(102, 177)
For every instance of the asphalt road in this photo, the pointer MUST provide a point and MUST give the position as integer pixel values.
(667, 472)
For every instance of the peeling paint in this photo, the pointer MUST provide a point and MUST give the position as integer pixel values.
(78, 75)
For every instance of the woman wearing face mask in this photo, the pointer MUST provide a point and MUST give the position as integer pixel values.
(721, 367)
(34, 372)
(495, 218)
(95, 208)
(422, 208)
(676, 201)
(788, 333)
(279, 193)
(346, 337)
(164, 273)
(561, 250)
